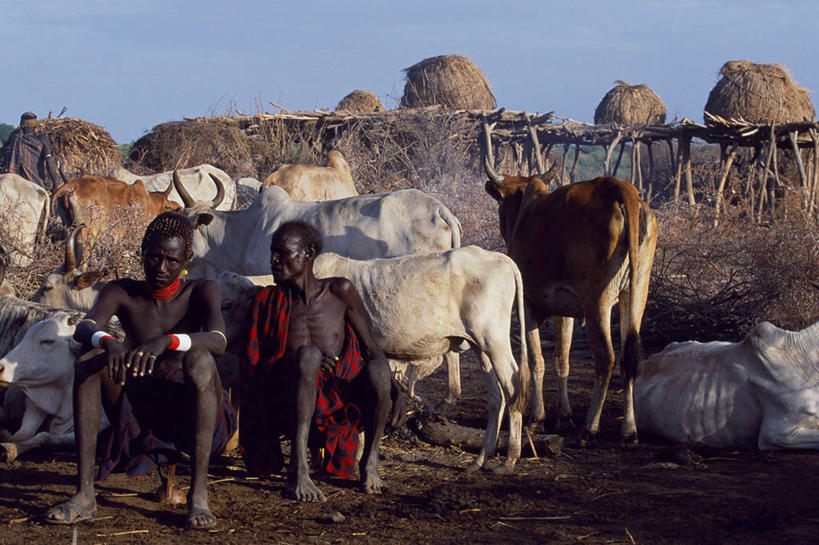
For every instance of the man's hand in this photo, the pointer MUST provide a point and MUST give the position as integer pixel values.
(116, 360)
(328, 361)
(141, 360)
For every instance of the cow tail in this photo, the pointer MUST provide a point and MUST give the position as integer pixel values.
(521, 401)
(631, 346)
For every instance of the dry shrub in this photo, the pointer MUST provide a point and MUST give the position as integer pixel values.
(451, 81)
(432, 152)
(80, 147)
(630, 105)
(715, 283)
(183, 144)
(758, 93)
(360, 102)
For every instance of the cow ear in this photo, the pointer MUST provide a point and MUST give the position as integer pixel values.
(493, 191)
(202, 219)
(535, 189)
(88, 279)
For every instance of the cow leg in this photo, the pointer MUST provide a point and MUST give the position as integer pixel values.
(33, 418)
(538, 370)
(781, 432)
(495, 406)
(598, 327)
(453, 366)
(564, 327)
(43, 439)
(629, 361)
(503, 367)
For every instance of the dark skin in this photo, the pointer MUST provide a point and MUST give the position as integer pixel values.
(196, 310)
(315, 339)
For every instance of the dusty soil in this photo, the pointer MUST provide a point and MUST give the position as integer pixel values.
(650, 494)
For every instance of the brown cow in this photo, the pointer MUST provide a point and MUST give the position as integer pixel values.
(313, 183)
(98, 201)
(581, 249)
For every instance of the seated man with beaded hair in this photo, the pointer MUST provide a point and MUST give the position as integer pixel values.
(166, 366)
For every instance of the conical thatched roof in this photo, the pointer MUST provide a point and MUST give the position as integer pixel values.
(630, 105)
(360, 102)
(452, 81)
(182, 144)
(759, 93)
(80, 147)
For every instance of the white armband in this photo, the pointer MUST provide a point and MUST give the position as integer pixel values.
(180, 342)
(97, 338)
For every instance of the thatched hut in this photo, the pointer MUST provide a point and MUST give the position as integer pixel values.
(631, 106)
(80, 147)
(451, 81)
(758, 93)
(182, 144)
(360, 102)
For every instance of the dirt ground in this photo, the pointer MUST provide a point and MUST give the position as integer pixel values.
(649, 494)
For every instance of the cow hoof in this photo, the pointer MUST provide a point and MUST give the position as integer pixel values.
(8, 452)
(504, 469)
(630, 441)
(473, 467)
(586, 439)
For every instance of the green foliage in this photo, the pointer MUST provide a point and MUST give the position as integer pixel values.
(590, 162)
(125, 149)
(5, 131)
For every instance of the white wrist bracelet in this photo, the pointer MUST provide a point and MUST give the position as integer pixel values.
(97, 338)
(180, 342)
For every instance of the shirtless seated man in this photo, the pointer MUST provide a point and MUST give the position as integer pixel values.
(311, 367)
(166, 368)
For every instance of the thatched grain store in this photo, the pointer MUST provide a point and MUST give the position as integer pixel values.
(451, 81)
(758, 93)
(360, 102)
(631, 106)
(80, 147)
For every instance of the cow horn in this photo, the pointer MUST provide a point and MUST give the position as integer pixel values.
(71, 260)
(550, 174)
(3, 264)
(496, 178)
(187, 200)
(220, 191)
(170, 188)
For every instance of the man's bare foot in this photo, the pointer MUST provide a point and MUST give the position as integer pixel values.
(303, 489)
(200, 518)
(77, 509)
(371, 482)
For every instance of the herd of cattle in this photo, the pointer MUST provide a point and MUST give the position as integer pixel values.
(573, 253)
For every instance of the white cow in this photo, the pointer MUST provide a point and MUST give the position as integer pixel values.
(71, 286)
(197, 180)
(422, 306)
(378, 225)
(762, 391)
(315, 183)
(41, 366)
(24, 209)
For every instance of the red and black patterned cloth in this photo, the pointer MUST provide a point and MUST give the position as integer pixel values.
(267, 390)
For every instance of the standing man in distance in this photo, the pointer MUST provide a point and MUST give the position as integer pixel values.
(29, 155)
(166, 367)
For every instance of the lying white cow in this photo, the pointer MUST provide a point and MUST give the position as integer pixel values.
(380, 225)
(24, 209)
(315, 183)
(762, 391)
(198, 182)
(41, 366)
(424, 305)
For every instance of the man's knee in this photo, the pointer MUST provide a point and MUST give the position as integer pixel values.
(308, 361)
(86, 366)
(199, 367)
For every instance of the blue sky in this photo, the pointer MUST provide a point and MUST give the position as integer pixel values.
(130, 65)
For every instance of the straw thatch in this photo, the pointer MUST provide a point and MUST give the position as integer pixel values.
(451, 81)
(182, 144)
(758, 93)
(360, 102)
(80, 147)
(631, 106)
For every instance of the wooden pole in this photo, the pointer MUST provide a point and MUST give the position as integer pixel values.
(813, 190)
(637, 146)
(563, 165)
(689, 178)
(487, 144)
(728, 162)
(535, 143)
(574, 163)
(803, 177)
(609, 148)
(763, 182)
(619, 157)
(677, 167)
